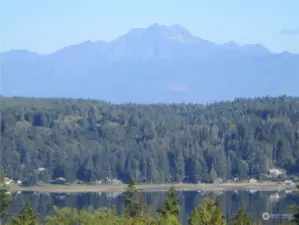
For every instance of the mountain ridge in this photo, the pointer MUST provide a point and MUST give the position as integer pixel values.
(154, 26)
(164, 63)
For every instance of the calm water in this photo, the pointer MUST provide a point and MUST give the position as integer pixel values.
(256, 202)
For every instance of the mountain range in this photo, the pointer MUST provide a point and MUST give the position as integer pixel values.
(156, 64)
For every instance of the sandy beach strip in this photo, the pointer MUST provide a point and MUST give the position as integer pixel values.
(153, 187)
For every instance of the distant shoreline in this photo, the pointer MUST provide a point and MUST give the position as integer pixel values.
(49, 188)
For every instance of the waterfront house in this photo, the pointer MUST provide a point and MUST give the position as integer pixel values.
(19, 182)
(7, 181)
(288, 182)
(253, 180)
(274, 173)
(112, 181)
(59, 180)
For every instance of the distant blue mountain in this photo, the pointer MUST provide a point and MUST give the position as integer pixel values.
(160, 63)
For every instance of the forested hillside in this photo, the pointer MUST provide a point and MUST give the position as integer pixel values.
(91, 140)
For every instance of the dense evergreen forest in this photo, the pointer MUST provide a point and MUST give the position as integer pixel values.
(91, 140)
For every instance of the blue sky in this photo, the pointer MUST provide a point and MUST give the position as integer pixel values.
(46, 25)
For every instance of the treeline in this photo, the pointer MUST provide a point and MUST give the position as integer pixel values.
(92, 140)
(136, 213)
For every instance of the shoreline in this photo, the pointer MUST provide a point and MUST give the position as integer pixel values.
(50, 188)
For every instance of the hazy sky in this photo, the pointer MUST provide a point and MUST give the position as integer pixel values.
(46, 25)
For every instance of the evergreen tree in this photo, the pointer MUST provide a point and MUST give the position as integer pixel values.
(168, 219)
(296, 217)
(132, 207)
(4, 202)
(26, 217)
(213, 175)
(295, 209)
(4, 198)
(207, 213)
(171, 205)
(217, 217)
(242, 218)
(152, 143)
(2, 176)
(65, 216)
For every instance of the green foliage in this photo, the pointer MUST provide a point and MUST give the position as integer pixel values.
(102, 216)
(207, 213)
(171, 206)
(2, 176)
(213, 175)
(295, 209)
(26, 217)
(242, 218)
(69, 216)
(4, 202)
(157, 143)
(218, 218)
(295, 220)
(168, 219)
(133, 208)
(66, 216)
(91, 140)
(5, 198)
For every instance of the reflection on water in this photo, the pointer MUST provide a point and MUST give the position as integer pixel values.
(256, 202)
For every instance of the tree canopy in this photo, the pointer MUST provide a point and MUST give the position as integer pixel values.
(156, 143)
